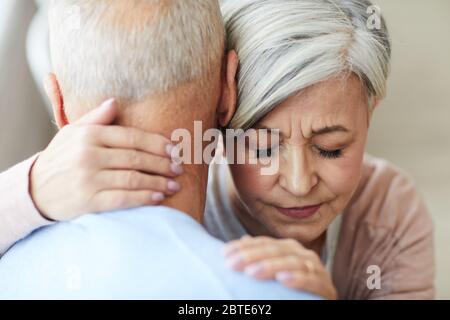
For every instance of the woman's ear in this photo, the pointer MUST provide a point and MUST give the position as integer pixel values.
(53, 92)
(376, 103)
(227, 106)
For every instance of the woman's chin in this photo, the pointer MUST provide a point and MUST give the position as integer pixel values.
(300, 232)
(304, 230)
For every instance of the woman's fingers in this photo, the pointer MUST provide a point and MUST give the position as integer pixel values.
(246, 242)
(105, 114)
(134, 180)
(102, 167)
(130, 138)
(120, 159)
(240, 259)
(268, 268)
(110, 200)
(295, 279)
(315, 283)
(284, 260)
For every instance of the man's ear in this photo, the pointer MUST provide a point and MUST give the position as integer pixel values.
(227, 106)
(53, 92)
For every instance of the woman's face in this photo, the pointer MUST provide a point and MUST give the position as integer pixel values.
(323, 132)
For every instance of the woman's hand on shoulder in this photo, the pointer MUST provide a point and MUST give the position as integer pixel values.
(93, 166)
(283, 260)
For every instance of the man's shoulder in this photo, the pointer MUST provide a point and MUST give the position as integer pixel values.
(113, 234)
(151, 213)
(112, 255)
(143, 253)
(109, 224)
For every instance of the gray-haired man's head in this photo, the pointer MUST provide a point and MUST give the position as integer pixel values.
(135, 50)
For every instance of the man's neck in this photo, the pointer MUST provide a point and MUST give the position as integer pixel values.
(162, 114)
(192, 197)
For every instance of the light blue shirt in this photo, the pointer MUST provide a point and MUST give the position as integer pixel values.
(145, 253)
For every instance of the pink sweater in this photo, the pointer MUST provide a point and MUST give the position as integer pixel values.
(18, 214)
(386, 225)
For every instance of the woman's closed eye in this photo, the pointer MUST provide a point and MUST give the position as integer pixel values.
(266, 152)
(324, 153)
(329, 154)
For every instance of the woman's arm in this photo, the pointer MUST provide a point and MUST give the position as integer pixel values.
(385, 249)
(407, 250)
(410, 268)
(18, 215)
(89, 166)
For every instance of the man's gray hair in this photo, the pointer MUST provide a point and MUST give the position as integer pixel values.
(130, 49)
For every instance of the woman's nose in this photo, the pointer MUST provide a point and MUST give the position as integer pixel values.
(297, 173)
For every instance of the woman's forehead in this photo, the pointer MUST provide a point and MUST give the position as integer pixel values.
(329, 101)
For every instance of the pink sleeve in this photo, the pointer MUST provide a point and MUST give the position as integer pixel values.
(386, 227)
(18, 214)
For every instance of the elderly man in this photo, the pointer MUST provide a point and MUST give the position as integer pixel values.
(163, 60)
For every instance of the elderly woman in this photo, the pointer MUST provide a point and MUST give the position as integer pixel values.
(332, 220)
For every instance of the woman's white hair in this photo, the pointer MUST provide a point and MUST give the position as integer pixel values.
(285, 46)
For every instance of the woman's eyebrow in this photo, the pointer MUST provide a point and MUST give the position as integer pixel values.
(263, 127)
(270, 130)
(332, 129)
(322, 131)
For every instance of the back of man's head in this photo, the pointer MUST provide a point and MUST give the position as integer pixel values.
(133, 49)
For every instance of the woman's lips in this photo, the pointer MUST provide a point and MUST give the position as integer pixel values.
(300, 213)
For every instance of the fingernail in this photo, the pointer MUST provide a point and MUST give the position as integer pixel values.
(254, 269)
(173, 186)
(169, 149)
(175, 154)
(234, 261)
(158, 196)
(228, 249)
(176, 168)
(283, 276)
(108, 103)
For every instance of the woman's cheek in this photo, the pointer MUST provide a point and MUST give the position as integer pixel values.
(341, 176)
(249, 182)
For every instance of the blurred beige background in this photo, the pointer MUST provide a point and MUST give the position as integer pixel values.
(25, 126)
(411, 128)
